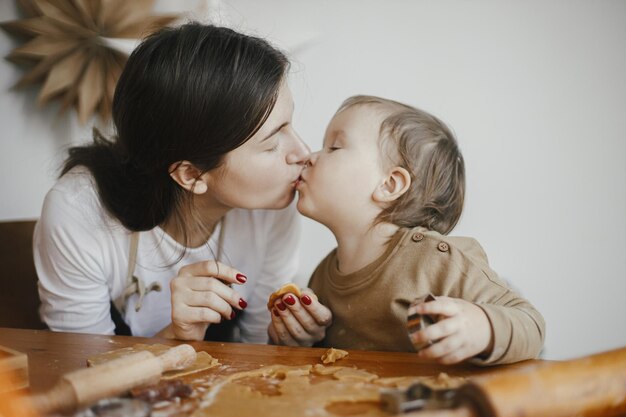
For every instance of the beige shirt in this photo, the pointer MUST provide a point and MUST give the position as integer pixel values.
(370, 306)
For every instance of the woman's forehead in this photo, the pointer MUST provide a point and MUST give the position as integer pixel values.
(280, 115)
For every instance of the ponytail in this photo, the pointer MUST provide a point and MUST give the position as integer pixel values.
(132, 195)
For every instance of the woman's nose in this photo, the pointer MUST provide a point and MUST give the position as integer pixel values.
(300, 152)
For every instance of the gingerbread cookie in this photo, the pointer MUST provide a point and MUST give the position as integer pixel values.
(287, 288)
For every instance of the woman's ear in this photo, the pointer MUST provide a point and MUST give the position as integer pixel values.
(394, 185)
(188, 176)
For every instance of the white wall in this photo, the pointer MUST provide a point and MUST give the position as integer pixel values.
(535, 91)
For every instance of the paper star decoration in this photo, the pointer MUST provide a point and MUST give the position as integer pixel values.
(71, 52)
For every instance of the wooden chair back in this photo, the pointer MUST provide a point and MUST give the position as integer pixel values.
(19, 299)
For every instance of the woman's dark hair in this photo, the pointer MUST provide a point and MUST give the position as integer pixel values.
(192, 93)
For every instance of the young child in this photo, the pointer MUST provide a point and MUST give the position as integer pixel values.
(390, 184)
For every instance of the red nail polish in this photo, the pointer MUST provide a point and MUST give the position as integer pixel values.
(306, 300)
(276, 313)
(232, 315)
(242, 303)
(290, 299)
(241, 278)
(281, 306)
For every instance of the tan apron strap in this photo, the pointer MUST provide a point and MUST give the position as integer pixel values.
(133, 284)
(132, 256)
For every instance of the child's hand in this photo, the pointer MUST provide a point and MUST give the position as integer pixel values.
(299, 322)
(463, 331)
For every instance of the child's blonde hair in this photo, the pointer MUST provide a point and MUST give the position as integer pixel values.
(423, 145)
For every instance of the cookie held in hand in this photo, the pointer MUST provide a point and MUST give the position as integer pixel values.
(287, 288)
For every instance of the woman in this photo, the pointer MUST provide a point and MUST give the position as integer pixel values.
(169, 221)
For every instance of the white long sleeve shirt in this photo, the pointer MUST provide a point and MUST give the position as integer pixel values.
(82, 254)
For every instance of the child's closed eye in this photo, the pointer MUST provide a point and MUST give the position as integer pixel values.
(274, 146)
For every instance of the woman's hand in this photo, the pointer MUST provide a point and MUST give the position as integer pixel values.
(201, 295)
(299, 322)
(462, 331)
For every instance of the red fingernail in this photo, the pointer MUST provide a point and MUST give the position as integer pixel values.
(241, 278)
(281, 306)
(242, 303)
(232, 315)
(290, 299)
(306, 300)
(276, 313)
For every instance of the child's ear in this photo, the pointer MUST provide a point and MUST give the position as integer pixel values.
(395, 184)
(188, 176)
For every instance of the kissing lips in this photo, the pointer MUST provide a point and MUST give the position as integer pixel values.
(299, 181)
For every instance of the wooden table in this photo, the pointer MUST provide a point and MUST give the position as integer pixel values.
(50, 354)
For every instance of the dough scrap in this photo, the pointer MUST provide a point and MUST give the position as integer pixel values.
(320, 369)
(440, 381)
(273, 371)
(287, 288)
(332, 355)
(203, 359)
(295, 395)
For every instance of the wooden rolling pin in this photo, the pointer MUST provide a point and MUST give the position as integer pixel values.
(86, 386)
(592, 386)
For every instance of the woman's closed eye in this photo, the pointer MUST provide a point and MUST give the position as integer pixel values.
(273, 140)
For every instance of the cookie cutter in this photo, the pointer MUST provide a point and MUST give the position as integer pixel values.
(117, 407)
(418, 396)
(416, 322)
